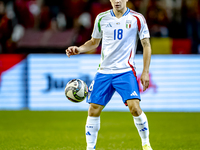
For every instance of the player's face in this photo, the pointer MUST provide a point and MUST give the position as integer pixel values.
(119, 5)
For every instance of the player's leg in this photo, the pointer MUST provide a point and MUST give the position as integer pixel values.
(140, 121)
(127, 86)
(101, 92)
(93, 125)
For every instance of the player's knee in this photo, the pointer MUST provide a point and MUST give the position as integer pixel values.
(93, 113)
(135, 111)
(95, 110)
(134, 107)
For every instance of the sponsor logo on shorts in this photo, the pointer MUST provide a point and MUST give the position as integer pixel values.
(134, 94)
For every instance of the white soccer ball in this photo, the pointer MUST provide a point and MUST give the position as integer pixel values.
(76, 90)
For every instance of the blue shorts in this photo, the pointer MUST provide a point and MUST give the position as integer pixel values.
(103, 87)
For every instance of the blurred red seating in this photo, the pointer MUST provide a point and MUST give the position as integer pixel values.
(181, 46)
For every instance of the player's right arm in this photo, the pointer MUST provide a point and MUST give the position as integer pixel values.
(87, 46)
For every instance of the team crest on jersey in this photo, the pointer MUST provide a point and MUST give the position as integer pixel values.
(128, 24)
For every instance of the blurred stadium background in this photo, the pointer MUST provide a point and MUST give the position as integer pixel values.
(34, 68)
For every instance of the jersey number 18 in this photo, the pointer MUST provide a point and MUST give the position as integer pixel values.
(118, 34)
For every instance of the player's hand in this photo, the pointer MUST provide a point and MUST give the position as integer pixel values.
(145, 80)
(72, 50)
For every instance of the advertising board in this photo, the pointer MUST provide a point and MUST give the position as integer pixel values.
(12, 81)
(174, 82)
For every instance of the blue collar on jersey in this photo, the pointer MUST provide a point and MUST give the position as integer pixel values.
(126, 13)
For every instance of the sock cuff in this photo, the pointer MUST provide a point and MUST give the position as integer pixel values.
(140, 118)
(93, 120)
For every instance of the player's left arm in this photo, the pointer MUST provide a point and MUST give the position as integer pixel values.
(146, 62)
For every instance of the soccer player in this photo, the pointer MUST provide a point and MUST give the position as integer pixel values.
(119, 28)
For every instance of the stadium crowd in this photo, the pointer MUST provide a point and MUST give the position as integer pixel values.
(178, 19)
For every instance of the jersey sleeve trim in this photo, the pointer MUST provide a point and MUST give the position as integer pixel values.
(138, 23)
(101, 15)
(142, 25)
(136, 13)
(99, 25)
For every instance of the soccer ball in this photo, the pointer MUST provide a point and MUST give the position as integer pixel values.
(76, 90)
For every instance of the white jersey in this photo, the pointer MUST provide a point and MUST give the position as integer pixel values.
(119, 39)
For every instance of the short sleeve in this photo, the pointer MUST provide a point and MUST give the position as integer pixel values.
(97, 33)
(143, 31)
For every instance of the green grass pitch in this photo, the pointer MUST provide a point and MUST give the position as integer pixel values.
(65, 130)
